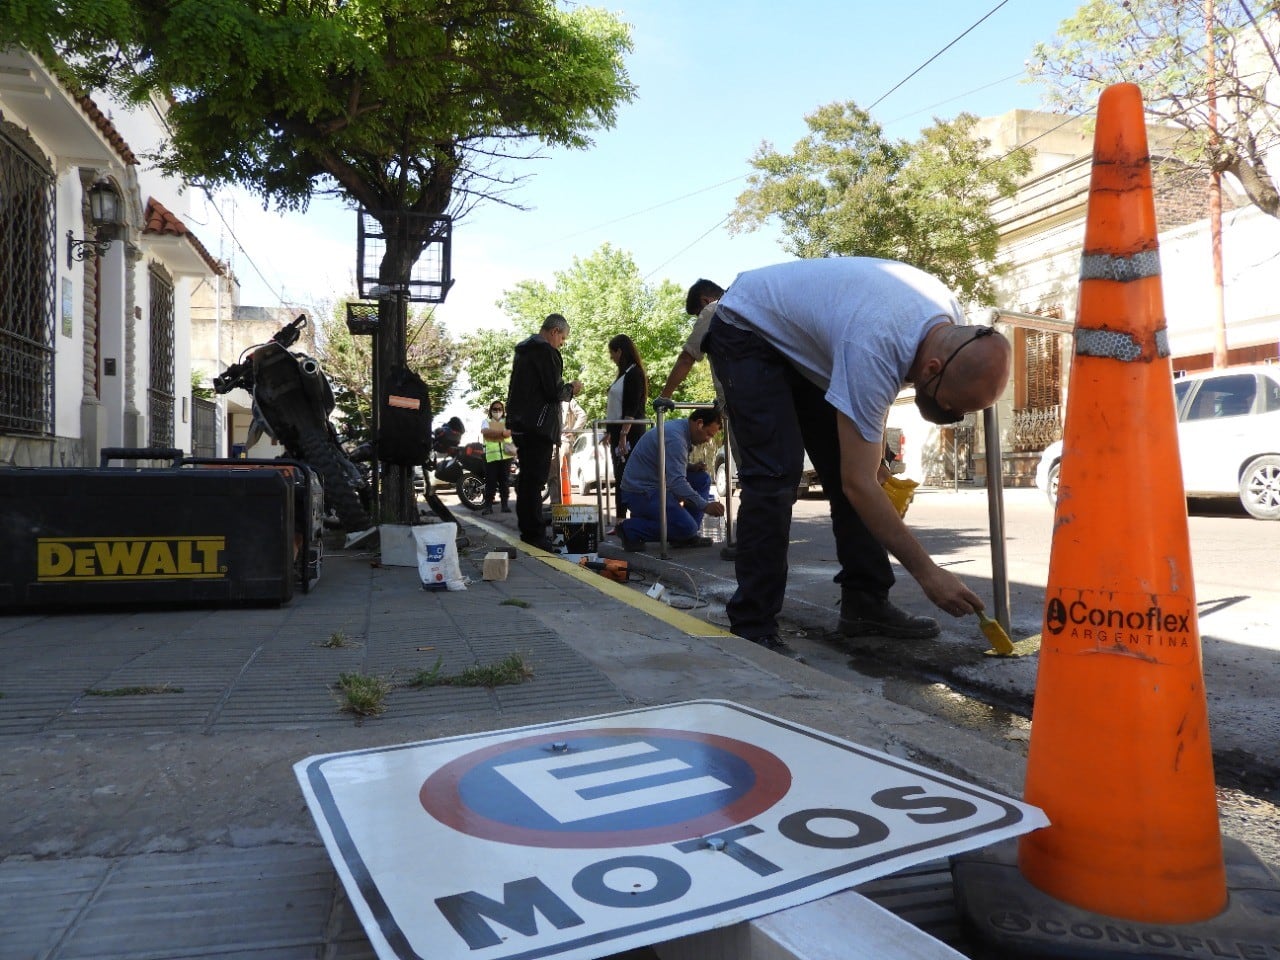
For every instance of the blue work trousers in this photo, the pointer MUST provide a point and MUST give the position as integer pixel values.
(683, 522)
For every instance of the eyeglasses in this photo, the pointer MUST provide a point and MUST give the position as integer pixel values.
(950, 416)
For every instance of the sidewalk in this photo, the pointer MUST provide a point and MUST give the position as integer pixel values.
(169, 823)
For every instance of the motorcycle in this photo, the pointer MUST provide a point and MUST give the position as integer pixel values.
(292, 401)
(463, 466)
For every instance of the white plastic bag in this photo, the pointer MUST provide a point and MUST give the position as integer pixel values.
(438, 556)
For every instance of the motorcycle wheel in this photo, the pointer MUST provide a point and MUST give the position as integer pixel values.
(339, 492)
(470, 490)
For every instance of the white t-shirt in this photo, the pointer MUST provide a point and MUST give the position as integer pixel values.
(851, 325)
(613, 402)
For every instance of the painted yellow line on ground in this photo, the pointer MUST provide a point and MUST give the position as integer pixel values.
(619, 591)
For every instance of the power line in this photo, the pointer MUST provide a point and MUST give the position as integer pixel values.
(881, 99)
(958, 96)
(716, 226)
(164, 121)
(656, 206)
(240, 246)
(936, 55)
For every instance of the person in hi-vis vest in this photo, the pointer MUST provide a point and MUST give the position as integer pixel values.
(498, 454)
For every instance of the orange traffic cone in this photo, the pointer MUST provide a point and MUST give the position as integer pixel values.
(566, 486)
(1120, 757)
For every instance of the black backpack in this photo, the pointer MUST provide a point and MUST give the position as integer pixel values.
(404, 427)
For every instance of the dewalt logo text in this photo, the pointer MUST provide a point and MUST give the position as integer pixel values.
(62, 559)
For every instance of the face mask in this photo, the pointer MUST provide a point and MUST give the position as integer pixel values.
(927, 400)
(933, 411)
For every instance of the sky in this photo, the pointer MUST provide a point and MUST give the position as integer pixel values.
(715, 79)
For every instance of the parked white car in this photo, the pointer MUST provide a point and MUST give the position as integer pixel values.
(1228, 438)
(585, 470)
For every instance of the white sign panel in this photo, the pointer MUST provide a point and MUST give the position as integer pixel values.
(583, 838)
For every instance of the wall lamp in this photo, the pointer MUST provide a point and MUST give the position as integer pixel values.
(105, 218)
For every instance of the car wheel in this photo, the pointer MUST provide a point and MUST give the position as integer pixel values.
(1051, 486)
(1260, 488)
(722, 481)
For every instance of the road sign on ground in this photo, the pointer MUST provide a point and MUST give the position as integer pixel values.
(582, 838)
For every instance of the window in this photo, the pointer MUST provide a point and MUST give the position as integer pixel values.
(160, 396)
(1270, 395)
(1227, 396)
(27, 277)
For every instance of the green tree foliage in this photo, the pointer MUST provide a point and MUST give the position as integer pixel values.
(408, 108)
(1162, 46)
(601, 296)
(487, 357)
(347, 359)
(846, 190)
(402, 104)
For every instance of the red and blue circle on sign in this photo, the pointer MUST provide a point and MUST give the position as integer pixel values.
(602, 788)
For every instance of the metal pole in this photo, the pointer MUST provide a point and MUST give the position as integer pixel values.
(375, 418)
(601, 486)
(995, 474)
(660, 426)
(995, 512)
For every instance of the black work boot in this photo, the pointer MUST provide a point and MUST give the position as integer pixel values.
(874, 615)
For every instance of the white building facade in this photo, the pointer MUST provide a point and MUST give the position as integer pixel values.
(95, 316)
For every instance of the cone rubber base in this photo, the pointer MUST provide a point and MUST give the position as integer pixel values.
(1002, 910)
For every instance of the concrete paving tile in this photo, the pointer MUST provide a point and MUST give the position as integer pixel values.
(39, 899)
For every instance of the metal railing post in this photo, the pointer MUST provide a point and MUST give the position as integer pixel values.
(607, 483)
(661, 427)
(995, 513)
(995, 469)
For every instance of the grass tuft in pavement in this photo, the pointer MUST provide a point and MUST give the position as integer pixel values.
(509, 670)
(365, 695)
(141, 691)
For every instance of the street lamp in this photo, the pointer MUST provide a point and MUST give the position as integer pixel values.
(104, 217)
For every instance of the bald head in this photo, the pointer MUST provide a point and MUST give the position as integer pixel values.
(962, 369)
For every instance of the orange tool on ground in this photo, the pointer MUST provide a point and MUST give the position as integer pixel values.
(618, 570)
(1119, 755)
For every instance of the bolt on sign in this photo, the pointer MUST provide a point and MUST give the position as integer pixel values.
(587, 837)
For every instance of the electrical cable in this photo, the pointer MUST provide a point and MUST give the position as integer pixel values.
(164, 122)
(936, 55)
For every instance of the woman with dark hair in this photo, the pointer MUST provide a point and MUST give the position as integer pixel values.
(626, 401)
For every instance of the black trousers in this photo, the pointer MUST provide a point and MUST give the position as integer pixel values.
(497, 479)
(777, 416)
(534, 454)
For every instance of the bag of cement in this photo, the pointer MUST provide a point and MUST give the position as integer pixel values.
(438, 556)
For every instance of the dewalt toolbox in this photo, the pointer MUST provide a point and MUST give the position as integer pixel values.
(151, 536)
(308, 507)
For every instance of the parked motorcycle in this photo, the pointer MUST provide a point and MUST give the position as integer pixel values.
(292, 401)
(463, 466)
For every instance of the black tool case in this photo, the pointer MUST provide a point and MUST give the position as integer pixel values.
(132, 537)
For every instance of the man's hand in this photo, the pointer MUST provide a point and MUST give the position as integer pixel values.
(663, 404)
(949, 593)
(714, 509)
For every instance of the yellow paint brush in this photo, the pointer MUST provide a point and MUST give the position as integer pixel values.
(995, 634)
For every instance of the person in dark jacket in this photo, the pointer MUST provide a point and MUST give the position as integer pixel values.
(627, 396)
(534, 396)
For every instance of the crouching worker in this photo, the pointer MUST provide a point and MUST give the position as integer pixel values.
(688, 488)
